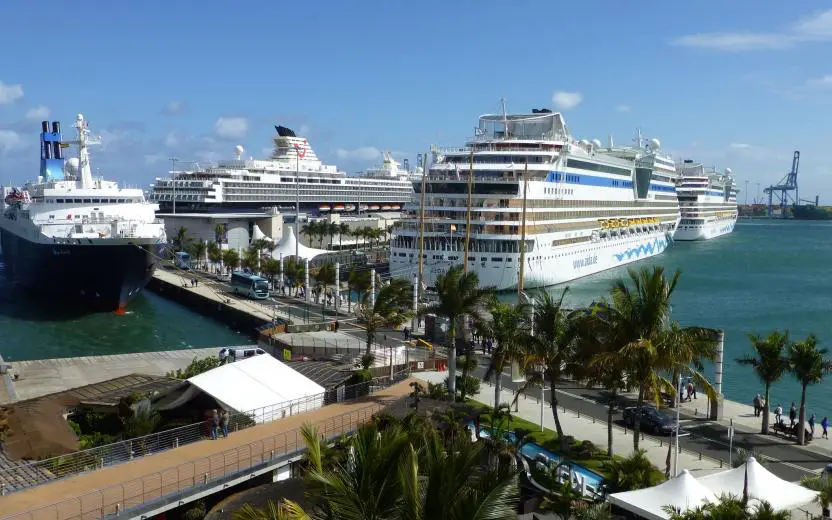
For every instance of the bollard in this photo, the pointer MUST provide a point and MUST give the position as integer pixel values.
(593, 420)
(700, 455)
(579, 414)
(205, 478)
(176, 443)
(271, 454)
(720, 463)
(118, 508)
(661, 442)
(3, 489)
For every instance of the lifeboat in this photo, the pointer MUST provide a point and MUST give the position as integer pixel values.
(364, 207)
(323, 208)
(395, 206)
(374, 207)
(350, 207)
(338, 207)
(386, 207)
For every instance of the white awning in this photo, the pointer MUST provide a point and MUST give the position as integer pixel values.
(262, 385)
(286, 246)
(762, 485)
(257, 234)
(682, 493)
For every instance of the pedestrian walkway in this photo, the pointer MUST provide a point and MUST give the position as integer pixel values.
(100, 493)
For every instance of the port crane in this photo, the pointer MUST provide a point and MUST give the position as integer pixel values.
(781, 193)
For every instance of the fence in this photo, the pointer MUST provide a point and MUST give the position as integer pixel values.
(204, 472)
(32, 474)
(350, 351)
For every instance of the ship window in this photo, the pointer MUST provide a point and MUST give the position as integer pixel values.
(59, 201)
(120, 201)
(96, 201)
(87, 201)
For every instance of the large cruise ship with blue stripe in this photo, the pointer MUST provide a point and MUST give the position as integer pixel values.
(708, 202)
(585, 208)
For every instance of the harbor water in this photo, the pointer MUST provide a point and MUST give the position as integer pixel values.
(767, 274)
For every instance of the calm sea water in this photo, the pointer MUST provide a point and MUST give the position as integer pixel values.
(37, 329)
(765, 275)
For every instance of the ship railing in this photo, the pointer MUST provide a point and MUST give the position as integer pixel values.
(463, 177)
(31, 474)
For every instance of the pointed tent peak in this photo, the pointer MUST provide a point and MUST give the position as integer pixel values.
(257, 234)
(288, 244)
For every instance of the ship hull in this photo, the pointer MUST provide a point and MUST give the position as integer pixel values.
(707, 231)
(100, 277)
(560, 265)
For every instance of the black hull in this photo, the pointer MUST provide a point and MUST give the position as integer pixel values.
(100, 277)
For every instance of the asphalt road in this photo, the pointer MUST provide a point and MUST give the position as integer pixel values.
(784, 459)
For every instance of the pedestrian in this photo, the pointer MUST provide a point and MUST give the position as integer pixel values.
(336, 325)
(792, 415)
(824, 423)
(812, 424)
(757, 405)
(224, 422)
(778, 413)
(763, 405)
(406, 333)
(691, 390)
(215, 422)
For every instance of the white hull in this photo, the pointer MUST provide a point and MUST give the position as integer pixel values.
(705, 231)
(546, 268)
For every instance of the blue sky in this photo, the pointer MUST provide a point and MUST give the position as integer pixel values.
(739, 84)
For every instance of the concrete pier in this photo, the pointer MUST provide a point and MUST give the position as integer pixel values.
(46, 376)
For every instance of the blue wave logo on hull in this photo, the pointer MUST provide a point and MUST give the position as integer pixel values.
(656, 246)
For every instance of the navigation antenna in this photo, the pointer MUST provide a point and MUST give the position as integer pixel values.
(84, 139)
(505, 116)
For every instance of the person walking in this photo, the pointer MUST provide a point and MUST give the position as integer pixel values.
(812, 424)
(757, 405)
(691, 390)
(224, 422)
(792, 415)
(824, 423)
(215, 422)
(778, 414)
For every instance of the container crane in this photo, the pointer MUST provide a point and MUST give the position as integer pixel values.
(781, 193)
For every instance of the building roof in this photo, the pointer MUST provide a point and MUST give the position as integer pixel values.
(254, 383)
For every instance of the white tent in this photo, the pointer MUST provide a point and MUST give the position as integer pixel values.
(286, 246)
(683, 492)
(261, 385)
(762, 485)
(257, 234)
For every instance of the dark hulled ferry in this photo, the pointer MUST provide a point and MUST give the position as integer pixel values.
(76, 238)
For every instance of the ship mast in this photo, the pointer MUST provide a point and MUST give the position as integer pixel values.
(468, 212)
(521, 272)
(84, 139)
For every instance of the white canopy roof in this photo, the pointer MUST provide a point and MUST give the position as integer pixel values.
(762, 485)
(257, 234)
(286, 246)
(683, 492)
(263, 385)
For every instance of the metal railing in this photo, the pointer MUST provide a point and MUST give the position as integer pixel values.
(350, 351)
(160, 487)
(31, 474)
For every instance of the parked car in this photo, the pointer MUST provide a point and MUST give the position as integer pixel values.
(652, 420)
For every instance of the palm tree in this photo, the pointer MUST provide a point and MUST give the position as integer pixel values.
(214, 253)
(769, 363)
(823, 486)
(641, 315)
(343, 231)
(231, 259)
(331, 229)
(271, 268)
(508, 327)
(360, 282)
(325, 276)
(262, 245)
(197, 249)
(550, 349)
(631, 473)
(219, 233)
(181, 239)
(728, 508)
(459, 296)
(295, 272)
(250, 257)
(808, 364)
(390, 309)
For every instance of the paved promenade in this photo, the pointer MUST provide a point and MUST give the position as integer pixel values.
(146, 479)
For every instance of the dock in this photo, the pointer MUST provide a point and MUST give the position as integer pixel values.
(37, 378)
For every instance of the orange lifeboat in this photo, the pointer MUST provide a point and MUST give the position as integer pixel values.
(323, 208)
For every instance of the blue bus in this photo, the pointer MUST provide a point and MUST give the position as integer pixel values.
(182, 260)
(250, 285)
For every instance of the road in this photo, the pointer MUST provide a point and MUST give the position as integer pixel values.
(785, 459)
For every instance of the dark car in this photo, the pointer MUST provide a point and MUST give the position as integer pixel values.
(652, 420)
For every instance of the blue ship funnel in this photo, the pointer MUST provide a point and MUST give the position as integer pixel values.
(51, 152)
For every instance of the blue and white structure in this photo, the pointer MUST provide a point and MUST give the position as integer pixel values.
(587, 208)
(707, 201)
(70, 236)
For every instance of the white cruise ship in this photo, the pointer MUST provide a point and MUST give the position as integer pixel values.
(707, 201)
(586, 210)
(293, 175)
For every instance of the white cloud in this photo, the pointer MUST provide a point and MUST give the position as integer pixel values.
(10, 141)
(814, 28)
(175, 108)
(739, 145)
(171, 140)
(622, 108)
(39, 113)
(152, 159)
(566, 100)
(820, 83)
(231, 127)
(10, 93)
(366, 153)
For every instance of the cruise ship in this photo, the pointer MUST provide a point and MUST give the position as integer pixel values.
(292, 176)
(584, 209)
(707, 201)
(72, 237)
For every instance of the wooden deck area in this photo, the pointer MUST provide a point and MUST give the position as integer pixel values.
(96, 494)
